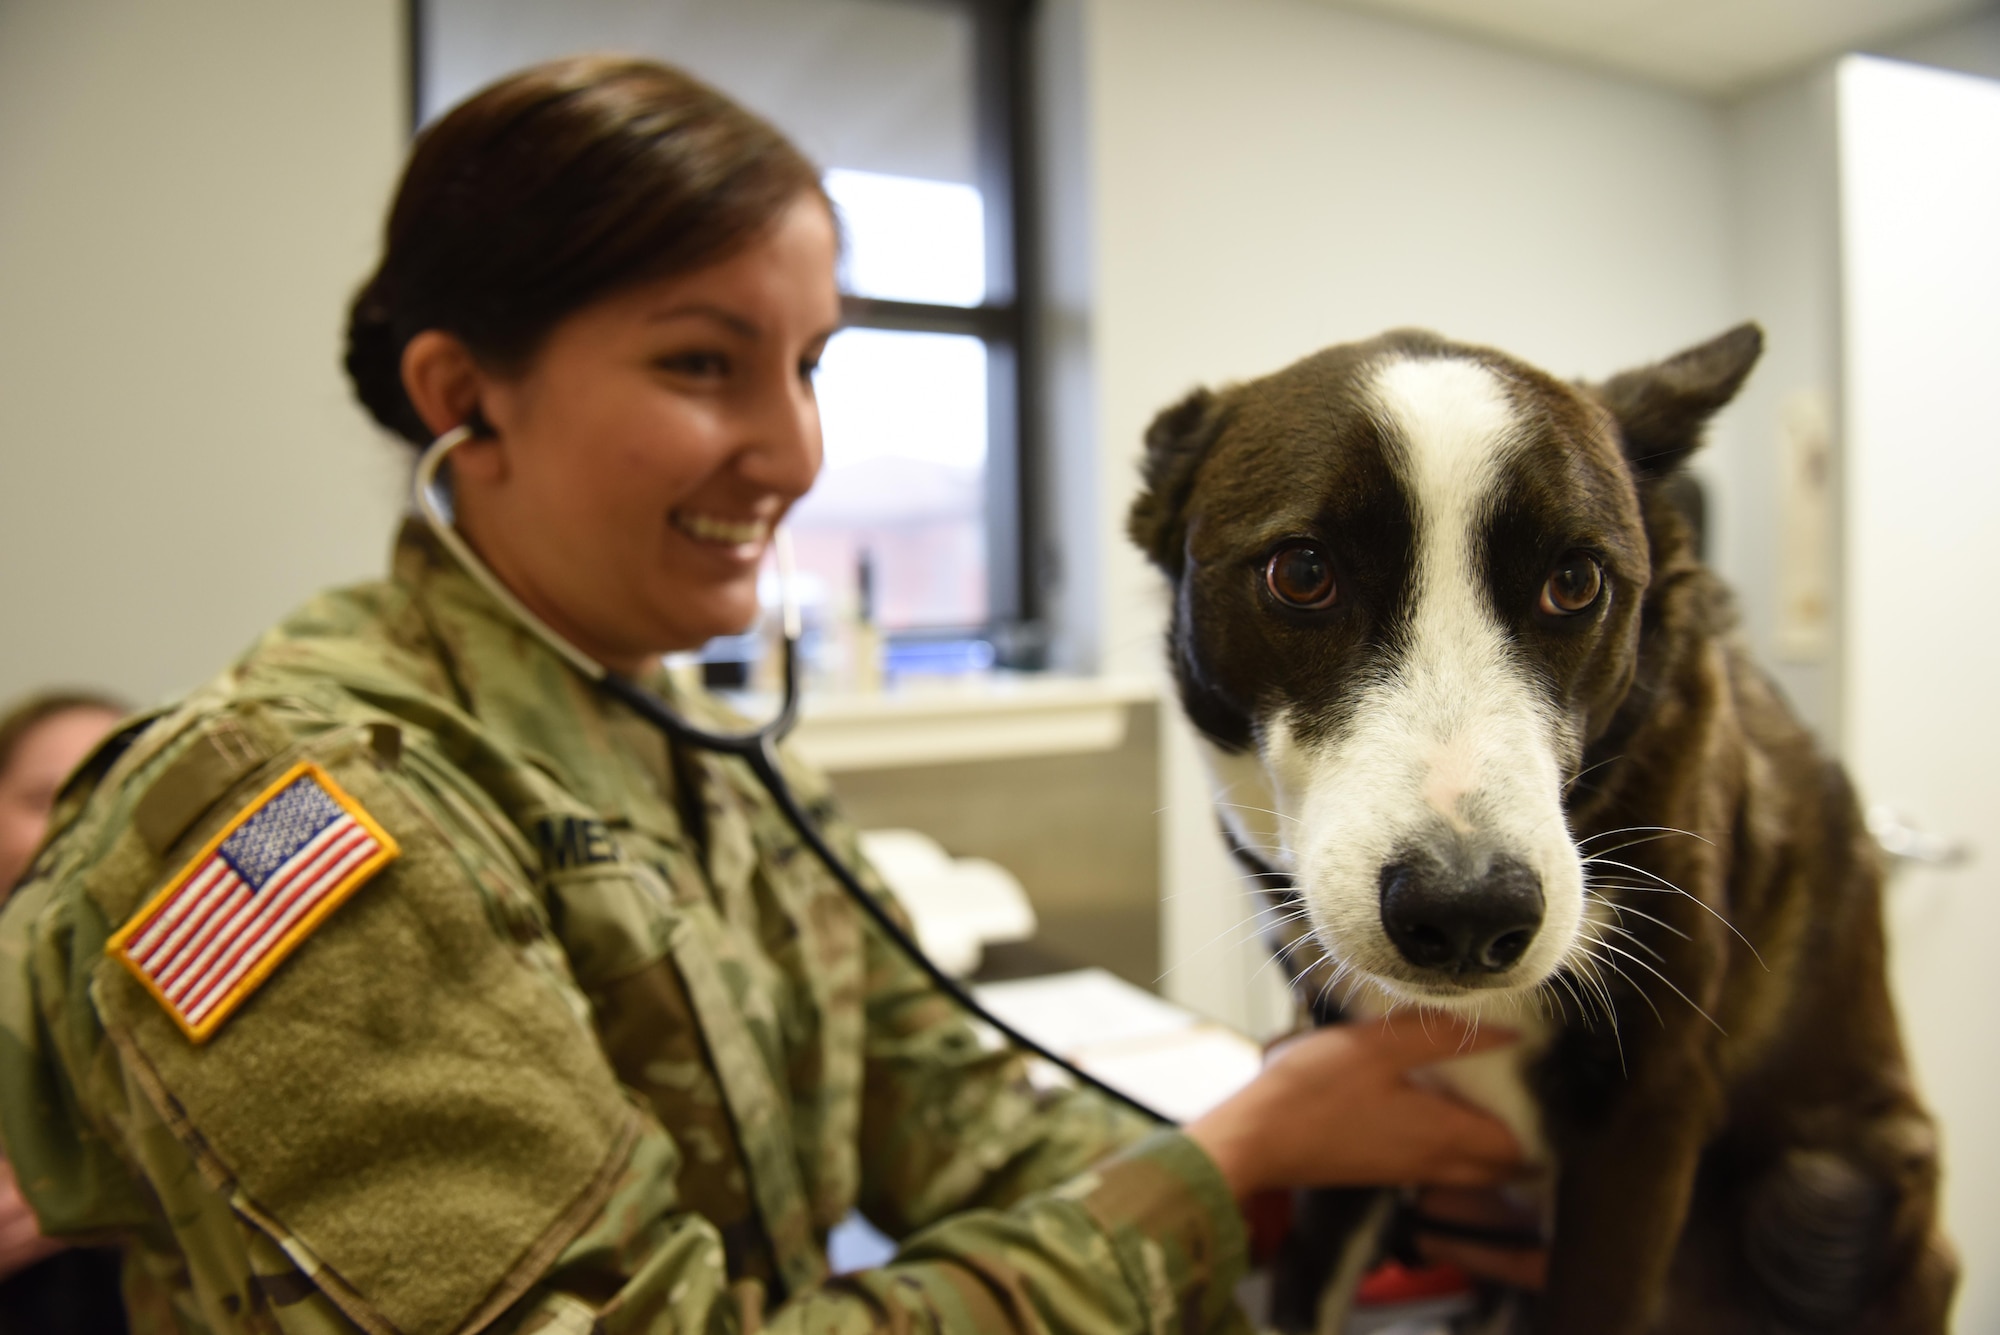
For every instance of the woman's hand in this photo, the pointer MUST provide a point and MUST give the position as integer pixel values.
(21, 1240)
(1334, 1108)
(1522, 1268)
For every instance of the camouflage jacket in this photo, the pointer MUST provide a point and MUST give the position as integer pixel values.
(601, 1049)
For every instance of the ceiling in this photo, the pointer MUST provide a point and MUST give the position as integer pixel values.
(1710, 47)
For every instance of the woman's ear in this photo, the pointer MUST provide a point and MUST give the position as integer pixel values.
(443, 381)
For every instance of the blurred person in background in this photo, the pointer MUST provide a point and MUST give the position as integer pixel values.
(408, 982)
(45, 1286)
(42, 739)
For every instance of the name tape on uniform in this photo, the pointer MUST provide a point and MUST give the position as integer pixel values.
(229, 918)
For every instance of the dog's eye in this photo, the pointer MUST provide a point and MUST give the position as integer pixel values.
(1300, 576)
(1573, 585)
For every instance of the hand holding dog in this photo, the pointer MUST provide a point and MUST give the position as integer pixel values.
(1519, 1268)
(1335, 1108)
(21, 1240)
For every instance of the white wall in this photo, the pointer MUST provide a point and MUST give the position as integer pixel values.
(1785, 251)
(1785, 256)
(1275, 175)
(1970, 46)
(188, 194)
(1920, 212)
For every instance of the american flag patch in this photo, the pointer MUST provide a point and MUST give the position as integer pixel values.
(205, 943)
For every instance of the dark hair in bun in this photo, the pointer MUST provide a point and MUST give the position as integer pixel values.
(549, 189)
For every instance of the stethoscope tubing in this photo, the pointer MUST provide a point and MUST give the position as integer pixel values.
(757, 749)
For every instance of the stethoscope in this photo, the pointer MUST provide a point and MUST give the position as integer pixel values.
(757, 748)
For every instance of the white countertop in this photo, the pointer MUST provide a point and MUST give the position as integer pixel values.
(943, 721)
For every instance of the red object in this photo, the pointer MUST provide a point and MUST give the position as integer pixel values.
(1393, 1282)
(1268, 1218)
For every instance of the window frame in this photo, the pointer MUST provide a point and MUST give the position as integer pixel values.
(1007, 322)
(1019, 561)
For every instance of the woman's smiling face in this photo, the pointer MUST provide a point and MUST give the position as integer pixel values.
(641, 458)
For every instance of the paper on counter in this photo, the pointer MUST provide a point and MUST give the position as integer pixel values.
(1168, 1058)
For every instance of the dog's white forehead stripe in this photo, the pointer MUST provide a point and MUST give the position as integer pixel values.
(1455, 427)
(1451, 429)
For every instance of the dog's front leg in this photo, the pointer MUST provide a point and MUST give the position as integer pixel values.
(1622, 1198)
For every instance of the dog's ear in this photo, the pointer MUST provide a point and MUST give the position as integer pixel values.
(1661, 409)
(1175, 444)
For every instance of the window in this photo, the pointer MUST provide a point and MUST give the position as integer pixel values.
(913, 108)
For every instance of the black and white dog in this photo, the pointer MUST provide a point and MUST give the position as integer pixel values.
(1464, 683)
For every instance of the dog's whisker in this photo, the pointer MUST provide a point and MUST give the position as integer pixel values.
(1593, 979)
(1332, 982)
(1657, 831)
(1549, 1002)
(1668, 981)
(1629, 843)
(1595, 891)
(1611, 1016)
(1295, 942)
(1278, 956)
(1668, 887)
(1245, 806)
(1331, 976)
(1596, 861)
(1633, 938)
(1589, 1002)
(1249, 873)
(1254, 922)
(1581, 984)
(1623, 909)
(1598, 965)
(1618, 883)
(1264, 850)
(1607, 962)
(1561, 980)
(1346, 978)
(1318, 961)
(1588, 999)
(1256, 845)
(1577, 777)
(1583, 1008)
(1283, 955)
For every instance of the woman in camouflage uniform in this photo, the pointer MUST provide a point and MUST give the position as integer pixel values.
(398, 982)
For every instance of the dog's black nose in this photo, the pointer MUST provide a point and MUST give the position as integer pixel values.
(1440, 920)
